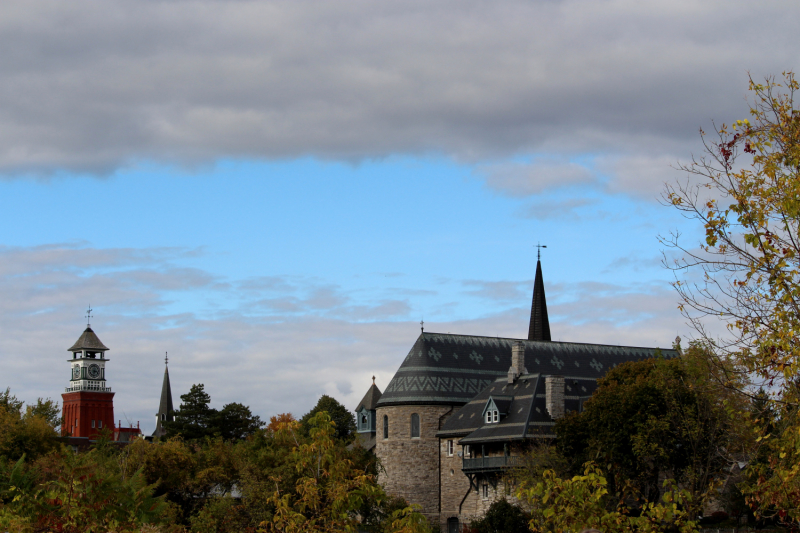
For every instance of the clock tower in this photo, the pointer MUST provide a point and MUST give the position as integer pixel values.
(88, 402)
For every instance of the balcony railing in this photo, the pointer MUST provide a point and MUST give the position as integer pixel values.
(91, 387)
(486, 464)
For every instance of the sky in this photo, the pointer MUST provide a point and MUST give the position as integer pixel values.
(276, 193)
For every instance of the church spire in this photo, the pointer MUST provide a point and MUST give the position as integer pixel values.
(539, 329)
(165, 408)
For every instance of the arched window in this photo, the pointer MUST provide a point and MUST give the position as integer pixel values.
(415, 426)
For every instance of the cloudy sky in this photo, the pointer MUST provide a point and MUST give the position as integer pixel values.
(277, 192)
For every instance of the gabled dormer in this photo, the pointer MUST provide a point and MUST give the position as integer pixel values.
(496, 408)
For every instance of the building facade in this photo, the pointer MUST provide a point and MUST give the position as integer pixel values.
(462, 409)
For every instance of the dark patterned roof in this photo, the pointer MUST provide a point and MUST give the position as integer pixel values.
(370, 399)
(452, 369)
(88, 341)
(526, 416)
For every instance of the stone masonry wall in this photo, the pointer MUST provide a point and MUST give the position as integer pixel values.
(454, 484)
(475, 506)
(411, 466)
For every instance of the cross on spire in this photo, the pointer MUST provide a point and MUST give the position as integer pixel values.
(88, 316)
(539, 250)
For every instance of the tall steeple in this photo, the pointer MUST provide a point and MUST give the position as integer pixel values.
(165, 408)
(539, 329)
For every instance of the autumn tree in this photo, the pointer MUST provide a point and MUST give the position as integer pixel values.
(744, 191)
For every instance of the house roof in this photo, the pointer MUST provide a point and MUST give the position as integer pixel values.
(370, 399)
(88, 341)
(452, 369)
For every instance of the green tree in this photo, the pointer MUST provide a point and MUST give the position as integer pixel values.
(655, 418)
(235, 422)
(195, 418)
(345, 420)
(330, 490)
(502, 517)
(26, 431)
(744, 192)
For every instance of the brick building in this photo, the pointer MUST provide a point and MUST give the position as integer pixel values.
(461, 409)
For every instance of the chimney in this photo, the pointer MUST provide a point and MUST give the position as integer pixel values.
(517, 361)
(554, 392)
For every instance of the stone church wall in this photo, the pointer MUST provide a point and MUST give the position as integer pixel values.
(411, 465)
(454, 484)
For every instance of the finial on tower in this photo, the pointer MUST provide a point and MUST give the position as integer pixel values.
(422, 326)
(89, 316)
(373, 380)
(539, 250)
(166, 358)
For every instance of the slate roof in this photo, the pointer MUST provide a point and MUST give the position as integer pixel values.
(370, 399)
(526, 416)
(451, 369)
(88, 341)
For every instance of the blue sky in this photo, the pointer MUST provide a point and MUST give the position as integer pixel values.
(276, 193)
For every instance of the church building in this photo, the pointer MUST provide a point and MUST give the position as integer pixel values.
(462, 409)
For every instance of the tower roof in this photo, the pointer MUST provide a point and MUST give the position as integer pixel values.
(370, 399)
(165, 407)
(88, 341)
(539, 329)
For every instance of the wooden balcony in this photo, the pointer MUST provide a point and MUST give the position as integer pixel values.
(490, 464)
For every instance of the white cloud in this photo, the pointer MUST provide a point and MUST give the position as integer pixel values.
(275, 362)
(92, 85)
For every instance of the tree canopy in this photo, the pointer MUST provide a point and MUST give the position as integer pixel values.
(196, 419)
(344, 420)
(744, 192)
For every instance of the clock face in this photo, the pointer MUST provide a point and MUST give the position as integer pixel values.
(94, 371)
(76, 372)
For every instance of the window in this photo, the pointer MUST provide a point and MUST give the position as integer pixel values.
(485, 491)
(465, 450)
(101, 424)
(415, 426)
(449, 448)
(385, 427)
(92, 424)
(492, 416)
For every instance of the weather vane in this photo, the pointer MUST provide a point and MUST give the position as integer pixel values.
(88, 316)
(539, 250)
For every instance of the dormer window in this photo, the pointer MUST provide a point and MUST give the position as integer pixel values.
(496, 406)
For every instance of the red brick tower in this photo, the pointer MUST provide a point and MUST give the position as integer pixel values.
(88, 402)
